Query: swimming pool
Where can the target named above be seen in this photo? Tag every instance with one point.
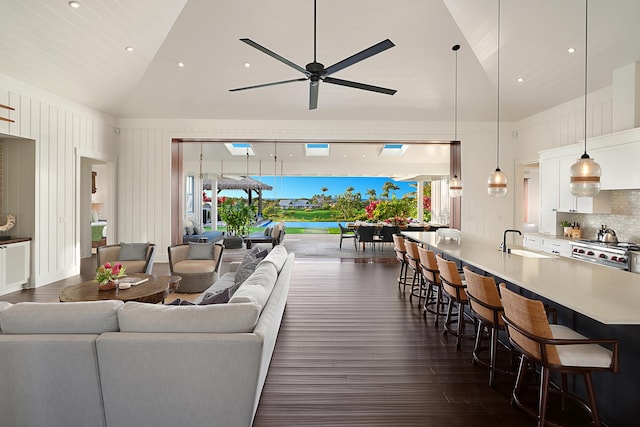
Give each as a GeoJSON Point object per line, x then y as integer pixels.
{"type": "Point", "coordinates": [306, 224]}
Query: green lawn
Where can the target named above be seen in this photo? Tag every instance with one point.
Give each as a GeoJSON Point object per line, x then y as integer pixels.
{"type": "Point", "coordinates": [302, 216]}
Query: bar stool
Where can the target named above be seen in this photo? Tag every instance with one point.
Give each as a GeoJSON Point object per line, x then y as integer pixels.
{"type": "Point", "coordinates": [554, 348]}
{"type": "Point", "coordinates": [455, 288]}
{"type": "Point", "coordinates": [434, 302]}
{"type": "Point", "coordinates": [401, 255]}
{"type": "Point", "coordinates": [487, 308]}
{"type": "Point", "coordinates": [413, 262]}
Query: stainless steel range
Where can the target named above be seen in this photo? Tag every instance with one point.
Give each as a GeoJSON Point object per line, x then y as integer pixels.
{"type": "Point", "coordinates": [612, 255]}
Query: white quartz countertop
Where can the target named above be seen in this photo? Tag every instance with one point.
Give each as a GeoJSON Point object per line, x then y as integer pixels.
{"type": "Point", "coordinates": [605, 294]}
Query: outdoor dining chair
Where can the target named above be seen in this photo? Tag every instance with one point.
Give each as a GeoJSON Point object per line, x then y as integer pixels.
{"type": "Point", "coordinates": [346, 233]}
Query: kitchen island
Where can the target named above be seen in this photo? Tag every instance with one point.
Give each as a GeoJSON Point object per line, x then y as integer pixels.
{"type": "Point", "coordinates": [597, 301]}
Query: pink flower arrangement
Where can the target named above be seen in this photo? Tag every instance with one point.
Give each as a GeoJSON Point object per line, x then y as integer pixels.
{"type": "Point", "coordinates": [371, 207]}
{"type": "Point", "coordinates": [109, 272]}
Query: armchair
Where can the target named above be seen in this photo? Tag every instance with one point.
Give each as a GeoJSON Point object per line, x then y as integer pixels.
{"type": "Point", "coordinates": [196, 263]}
{"type": "Point", "coordinates": [136, 257]}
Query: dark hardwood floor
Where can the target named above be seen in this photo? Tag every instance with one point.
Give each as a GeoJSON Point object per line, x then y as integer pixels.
{"type": "Point", "coordinates": [353, 351]}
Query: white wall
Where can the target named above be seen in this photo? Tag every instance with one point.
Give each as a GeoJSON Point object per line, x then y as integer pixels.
{"type": "Point", "coordinates": [62, 132]}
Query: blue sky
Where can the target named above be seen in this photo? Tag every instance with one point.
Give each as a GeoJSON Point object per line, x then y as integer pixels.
{"type": "Point", "coordinates": [304, 187]}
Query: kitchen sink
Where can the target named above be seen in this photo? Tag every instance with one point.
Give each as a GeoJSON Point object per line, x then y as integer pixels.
{"type": "Point", "coordinates": [529, 254]}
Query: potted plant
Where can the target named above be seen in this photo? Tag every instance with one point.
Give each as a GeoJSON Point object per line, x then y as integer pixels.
{"type": "Point", "coordinates": [237, 215]}
{"type": "Point", "coordinates": [566, 227]}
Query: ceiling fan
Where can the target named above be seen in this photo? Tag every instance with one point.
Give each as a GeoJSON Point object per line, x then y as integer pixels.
{"type": "Point", "coordinates": [316, 72]}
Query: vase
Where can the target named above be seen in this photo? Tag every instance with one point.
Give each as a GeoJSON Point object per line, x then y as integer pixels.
{"type": "Point", "coordinates": [108, 285]}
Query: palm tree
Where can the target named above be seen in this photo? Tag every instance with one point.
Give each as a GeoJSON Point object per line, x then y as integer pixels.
{"type": "Point", "coordinates": [386, 187]}
{"type": "Point", "coordinates": [371, 193]}
{"type": "Point", "coordinates": [324, 198]}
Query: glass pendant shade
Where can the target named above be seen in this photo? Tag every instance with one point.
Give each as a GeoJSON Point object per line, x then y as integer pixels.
{"type": "Point", "coordinates": [455, 187]}
{"type": "Point", "coordinates": [585, 177]}
{"type": "Point", "coordinates": [497, 184]}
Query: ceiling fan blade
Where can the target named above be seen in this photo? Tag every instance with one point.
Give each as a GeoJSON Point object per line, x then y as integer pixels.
{"type": "Point", "coordinates": [359, 85]}
{"type": "Point", "coordinates": [301, 79]}
{"type": "Point", "coordinates": [360, 56]}
{"type": "Point", "coordinates": [275, 55]}
{"type": "Point", "coordinates": [313, 94]}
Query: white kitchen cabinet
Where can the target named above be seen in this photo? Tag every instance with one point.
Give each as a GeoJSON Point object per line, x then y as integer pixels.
{"type": "Point", "coordinates": [619, 167]}
{"type": "Point", "coordinates": [567, 202]}
{"type": "Point", "coordinates": [549, 245]}
{"type": "Point", "coordinates": [548, 195]}
{"type": "Point", "coordinates": [14, 266]}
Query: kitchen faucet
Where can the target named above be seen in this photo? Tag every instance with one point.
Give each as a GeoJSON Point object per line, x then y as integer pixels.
{"type": "Point", "coordinates": [504, 239]}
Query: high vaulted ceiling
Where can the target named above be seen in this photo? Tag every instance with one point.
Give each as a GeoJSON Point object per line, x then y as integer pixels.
{"type": "Point", "coordinates": [80, 54]}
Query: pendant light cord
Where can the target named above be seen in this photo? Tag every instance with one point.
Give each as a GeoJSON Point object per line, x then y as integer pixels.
{"type": "Point", "coordinates": [498, 84]}
{"type": "Point", "coordinates": [315, 43]}
{"type": "Point", "coordinates": [586, 38]}
{"type": "Point", "coordinates": [455, 114]}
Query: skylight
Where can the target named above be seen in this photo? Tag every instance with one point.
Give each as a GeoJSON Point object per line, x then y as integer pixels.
{"type": "Point", "coordinates": [393, 150]}
{"type": "Point", "coordinates": [316, 149]}
{"type": "Point", "coordinates": [240, 148]}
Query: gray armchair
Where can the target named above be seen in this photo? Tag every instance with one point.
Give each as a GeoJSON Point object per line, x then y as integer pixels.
{"type": "Point", "coordinates": [136, 257]}
{"type": "Point", "coordinates": [197, 272]}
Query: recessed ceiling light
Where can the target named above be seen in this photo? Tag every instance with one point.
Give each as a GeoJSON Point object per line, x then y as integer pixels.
{"type": "Point", "coordinates": [128, 49]}
{"type": "Point", "coordinates": [571, 50]}
{"type": "Point", "coordinates": [520, 79]}
{"type": "Point", "coordinates": [247, 65]}
{"type": "Point", "coordinates": [74, 4]}
{"type": "Point", "coordinates": [180, 64]}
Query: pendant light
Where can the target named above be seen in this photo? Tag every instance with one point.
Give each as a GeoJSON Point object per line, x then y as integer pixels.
{"type": "Point", "coordinates": [585, 173]}
{"type": "Point", "coordinates": [497, 184]}
{"type": "Point", "coordinates": [455, 184]}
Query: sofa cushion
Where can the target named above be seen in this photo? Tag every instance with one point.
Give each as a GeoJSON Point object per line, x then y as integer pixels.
{"type": "Point", "coordinates": [91, 317]}
{"type": "Point", "coordinates": [133, 251]}
{"type": "Point", "coordinates": [194, 266]}
{"type": "Point", "coordinates": [3, 306]}
{"type": "Point", "coordinates": [257, 288]}
{"type": "Point", "coordinates": [200, 251]}
{"type": "Point", "coordinates": [216, 318]}
{"type": "Point", "coordinates": [277, 257]}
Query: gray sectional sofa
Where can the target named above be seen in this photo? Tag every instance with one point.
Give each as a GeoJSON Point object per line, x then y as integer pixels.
{"type": "Point", "coordinates": [112, 364]}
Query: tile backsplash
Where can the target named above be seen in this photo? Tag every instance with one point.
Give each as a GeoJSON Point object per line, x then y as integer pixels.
{"type": "Point", "coordinates": [624, 218]}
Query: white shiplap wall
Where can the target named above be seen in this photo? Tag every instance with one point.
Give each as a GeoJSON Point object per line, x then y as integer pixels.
{"type": "Point", "coordinates": [62, 131]}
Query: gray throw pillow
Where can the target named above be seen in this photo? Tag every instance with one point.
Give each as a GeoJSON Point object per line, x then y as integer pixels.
{"type": "Point", "coordinates": [247, 266]}
{"type": "Point", "coordinates": [200, 250]}
{"type": "Point", "coordinates": [267, 231]}
{"type": "Point", "coordinates": [219, 298]}
{"type": "Point", "coordinates": [133, 251]}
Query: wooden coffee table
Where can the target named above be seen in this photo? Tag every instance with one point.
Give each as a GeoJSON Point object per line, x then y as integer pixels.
{"type": "Point", "coordinates": [152, 291]}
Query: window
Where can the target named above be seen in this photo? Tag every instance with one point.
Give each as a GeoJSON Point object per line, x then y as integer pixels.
{"type": "Point", "coordinates": [190, 194]}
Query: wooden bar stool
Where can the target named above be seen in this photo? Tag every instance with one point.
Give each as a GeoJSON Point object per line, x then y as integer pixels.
{"type": "Point", "coordinates": [487, 307]}
{"type": "Point", "coordinates": [434, 301]}
{"type": "Point", "coordinates": [401, 255]}
{"type": "Point", "coordinates": [555, 348]}
{"type": "Point", "coordinates": [413, 262]}
{"type": "Point", "coordinates": [455, 288]}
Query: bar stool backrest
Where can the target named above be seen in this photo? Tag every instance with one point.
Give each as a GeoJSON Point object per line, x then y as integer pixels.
{"type": "Point", "coordinates": [451, 280]}
{"type": "Point", "coordinates": [399, 248]}
{"type": "Point", "coordinates": [429, 265]}
{"type": "Point", "coordinates": [483, 293]}
{"type": "Point", "coordinates": [413, 258]}
{"type": "Point", "coordinates": [530, 316]}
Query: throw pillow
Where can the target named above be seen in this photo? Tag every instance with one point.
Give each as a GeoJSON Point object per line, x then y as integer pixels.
{"type": "Point", "coordinates": [200, 250]}
{"type": "Point", "coordinates": [247, 266]}
{"type": "Point", "coordinates": [267, 231]}
{"type": "Point", "coordinates": [133, 251]}
{"type": "Point", "coordinates": [179, 301]}
{"type": "Point", "coordinates": [196, 229]}
{"type": "Point", "coordinates": [219, 298]}
{"type": "Point", "coordinates": [188, 230]}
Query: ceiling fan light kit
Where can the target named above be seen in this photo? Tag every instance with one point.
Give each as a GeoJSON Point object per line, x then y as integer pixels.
{"type": "Point", "coordinates": [497, 183]}
{"type": "Point", "coordinates": [585, 173]}
{"type": "Point", "coordinates": [315, 72]}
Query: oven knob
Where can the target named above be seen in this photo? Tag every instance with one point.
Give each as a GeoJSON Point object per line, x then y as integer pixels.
{"type": "Point", "coordinates": [621, 259]}
{"type": "Point", "coordinates": [590, 253]}
{"type": "Point", "coordinates": [614, 258]}
{"type": "Point", "coordinates": [580, 251]}
{"type": "Point", "coordinates": [575, 250]}
{"type": "Point", "coordinates": [603, 256]}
